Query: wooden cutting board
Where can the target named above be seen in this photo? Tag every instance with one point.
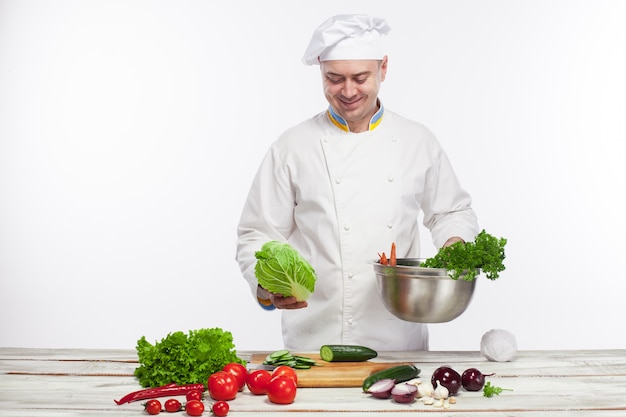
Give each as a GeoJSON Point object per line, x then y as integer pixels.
{"type": "Point", "coordinates": [334, 374]}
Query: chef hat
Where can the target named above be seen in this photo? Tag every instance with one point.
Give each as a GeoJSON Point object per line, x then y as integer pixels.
{"type": "Point", "coordinates": [347, 36]}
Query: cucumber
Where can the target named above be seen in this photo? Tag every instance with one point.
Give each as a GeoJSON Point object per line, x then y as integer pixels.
{"type": "Point", "coordinates": [346, 353]}
{"type": "Point", "coordinates": [399, 373]}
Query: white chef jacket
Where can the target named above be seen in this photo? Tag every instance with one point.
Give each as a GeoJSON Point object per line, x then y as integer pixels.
{"type": "Point", "coordinates": [340, 199]}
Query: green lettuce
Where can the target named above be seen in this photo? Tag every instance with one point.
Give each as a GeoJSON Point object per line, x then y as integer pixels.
{"type": "Point", "coordinates": [282, 270]}
{"type": "Point", "coordinates": [184, 358]}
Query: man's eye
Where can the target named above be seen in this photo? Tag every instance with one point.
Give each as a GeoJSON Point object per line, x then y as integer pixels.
{"type": "Point", "coordinates": [335, 80]}
{"type": "Point", "coordinates": [361, 80]}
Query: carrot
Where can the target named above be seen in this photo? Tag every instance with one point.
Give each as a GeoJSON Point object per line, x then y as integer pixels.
{"type": "Point", "coordinates": [383, 259]}
{"type": "Point", "coordinates": [392, 257]}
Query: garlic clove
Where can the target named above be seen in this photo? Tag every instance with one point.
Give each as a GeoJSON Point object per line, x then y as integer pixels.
{"type": "Point", "coordinates": [427, 400]}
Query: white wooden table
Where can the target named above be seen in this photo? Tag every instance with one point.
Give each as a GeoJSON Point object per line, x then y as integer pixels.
{"type": "Point", "coordinates": [77, 382]}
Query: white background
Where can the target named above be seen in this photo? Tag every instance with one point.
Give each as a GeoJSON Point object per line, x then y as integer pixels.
{"type": "Point", "coordinates": [130, 132]}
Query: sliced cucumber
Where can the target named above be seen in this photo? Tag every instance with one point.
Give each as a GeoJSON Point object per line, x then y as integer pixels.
{"type": "Point", "coordinates": [278, 354]}
{"type": "Point", "coordinates": [284, 357]}
{"type": "Point", "coordinates": [303, 360]}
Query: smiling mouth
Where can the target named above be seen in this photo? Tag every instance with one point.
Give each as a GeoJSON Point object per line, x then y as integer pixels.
{"type": "Point", "coordinates": [349, 103]}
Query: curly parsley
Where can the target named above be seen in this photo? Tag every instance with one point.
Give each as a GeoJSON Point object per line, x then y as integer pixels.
{"type": "Point", "coordinates": [184, 358]}
{"type": "Point", "coordinates": [485, 253]}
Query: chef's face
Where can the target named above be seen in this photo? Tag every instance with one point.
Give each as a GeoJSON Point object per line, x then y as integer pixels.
{"type": "Point", "coordinates": [351, 87]}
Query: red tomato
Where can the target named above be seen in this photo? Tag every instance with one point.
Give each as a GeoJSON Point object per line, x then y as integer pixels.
{"type": "Point", "coordinates": [172, 405]}
{"type": "Point", "coordinates": [258, 380]}
{"type": "Point", "coordinates": [281, 390]}
{"type": "Point", "coordinates": [194, 408]}
{"type": "Point", "coordinates": [223, 386]}
{"type": "Point", "coordinates": [285, 370]}
{"type": "Point", "coordinates": [194, 395]}
{"type": "Point", "coordinates": [220, 408]}
{"type": "Point", "coordinates": [153, 407]}
{"type": "Point", "coordinates": [239, 371]}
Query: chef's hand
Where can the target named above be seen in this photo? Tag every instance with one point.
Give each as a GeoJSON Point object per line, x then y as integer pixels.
{"type": "Point", "coordinates": [280, 302]}
{"type": "Point", "coordinates": [452, 240]}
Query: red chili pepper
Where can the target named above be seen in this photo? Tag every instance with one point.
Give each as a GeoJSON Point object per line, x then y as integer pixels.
{"type": "Point", "coordinates": [164, 391]}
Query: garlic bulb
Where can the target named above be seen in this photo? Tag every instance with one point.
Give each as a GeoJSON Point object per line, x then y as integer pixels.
{"type": "Point", "coordinates": [425, 389]}
{"type": "Point", "coordinates": [441, 392]}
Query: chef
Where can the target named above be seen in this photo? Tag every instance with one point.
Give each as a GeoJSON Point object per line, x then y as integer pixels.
{"type": "Point", "coordinates": [341, 187]}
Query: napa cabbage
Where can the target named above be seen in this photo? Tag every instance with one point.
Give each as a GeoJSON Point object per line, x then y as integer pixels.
{"type": "Point", "coordinates": [282, 270]}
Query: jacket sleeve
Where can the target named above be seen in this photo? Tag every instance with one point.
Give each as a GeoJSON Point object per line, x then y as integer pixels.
{"type": "Point", "coordinates": [267, 214]}
{"type": "Point", "coordinates": [447, 207]}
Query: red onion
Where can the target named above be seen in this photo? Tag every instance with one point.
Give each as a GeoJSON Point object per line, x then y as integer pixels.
{"type": "Point", "coordinates": [382, 388]}
{"type": "Point", "coordinates": [404, 393]}
{"type": "Point", "coordinates": [473, 380]}
{"type": "Point", "coordinates": [447, 377]}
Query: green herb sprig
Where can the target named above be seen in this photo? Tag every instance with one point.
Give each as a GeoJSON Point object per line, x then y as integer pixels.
{"type": "Point", "coordinates": [491, 390]}
{"type": "Point", "coordinates": [486, 253]}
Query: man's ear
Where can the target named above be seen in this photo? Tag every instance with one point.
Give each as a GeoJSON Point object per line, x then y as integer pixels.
{"type": "Point", "coordinates": [383, 68]}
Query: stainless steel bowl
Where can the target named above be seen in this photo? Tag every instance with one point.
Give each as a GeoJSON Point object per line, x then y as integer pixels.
{"type": "Point", "coordinates": [422, 295]}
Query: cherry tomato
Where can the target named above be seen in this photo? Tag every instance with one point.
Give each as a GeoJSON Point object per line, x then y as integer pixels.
{"type": "Point", "coordinates": [172, 405]}
{"type": "Point", "coordinates": [284, 370]}
{"type": "Point", "coordinates": [194, 408]}
{"type": "Point", "coordinates": [239, 371]}
{"type": "Point", "coordinates": [281, 390]}
{"type": "Point", "coordinates": [153, 407]}
{"type": "Point", "coordinates": [194, 395]}
{"type": "Point", "coordinates": [223, 386]}
{"type": "Point", "coordinates": [220, 408]}
{"type": "Point", "coordinates": [258, 380]}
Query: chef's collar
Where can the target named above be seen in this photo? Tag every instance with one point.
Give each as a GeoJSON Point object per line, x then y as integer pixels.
{"type": "Point", "coordinates": [341, 123]}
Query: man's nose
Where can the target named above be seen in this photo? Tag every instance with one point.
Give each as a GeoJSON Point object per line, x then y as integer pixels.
{"type": "Point", "coordinates": [349, 89]}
